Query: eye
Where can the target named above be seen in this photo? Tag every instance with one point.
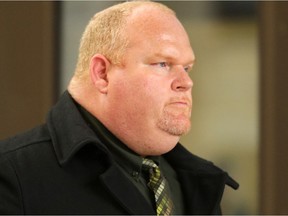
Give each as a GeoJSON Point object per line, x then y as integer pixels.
{"type": "Point", "coordinates": [188, 68]}
{"type": "Point", "coordinates": [163, 64]}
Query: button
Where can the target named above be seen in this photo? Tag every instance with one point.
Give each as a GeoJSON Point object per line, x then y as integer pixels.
{"type": "Point", "coordinates": [135, 173]}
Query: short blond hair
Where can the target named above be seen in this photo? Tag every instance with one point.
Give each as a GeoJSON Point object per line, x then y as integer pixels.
{"type": "Point", "coordinates": [104, 34]}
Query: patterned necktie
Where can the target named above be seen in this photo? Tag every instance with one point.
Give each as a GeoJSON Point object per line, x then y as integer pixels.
{"type": "Point", "coordinates": [158, 184]}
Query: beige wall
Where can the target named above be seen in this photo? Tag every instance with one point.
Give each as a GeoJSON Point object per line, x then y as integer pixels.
{"type": "Point", "coordinates": [225, 111]}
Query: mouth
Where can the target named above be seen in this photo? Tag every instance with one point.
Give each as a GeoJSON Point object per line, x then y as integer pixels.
{"type": "Point", "coordinates": [181, 102]}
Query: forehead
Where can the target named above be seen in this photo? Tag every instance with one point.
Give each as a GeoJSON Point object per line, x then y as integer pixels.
{"type": "Point", "coordinates": [150, 19]}
{"type": "Point", "coordinates": [158, 32]}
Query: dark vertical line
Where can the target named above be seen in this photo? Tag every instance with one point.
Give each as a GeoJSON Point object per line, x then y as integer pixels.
{"type": "Point", "coordinates": [57, 15]}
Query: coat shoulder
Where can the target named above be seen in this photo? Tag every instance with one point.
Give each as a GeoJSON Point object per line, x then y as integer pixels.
{"type": "Point", "coordinates": [23, 140]}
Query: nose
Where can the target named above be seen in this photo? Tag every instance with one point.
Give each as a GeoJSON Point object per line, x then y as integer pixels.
{"type": "Point", "coordinates": [182, 81]}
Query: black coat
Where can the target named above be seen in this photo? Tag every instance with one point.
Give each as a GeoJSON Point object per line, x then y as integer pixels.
{"type": "Point", "coordinates": [61, 167]}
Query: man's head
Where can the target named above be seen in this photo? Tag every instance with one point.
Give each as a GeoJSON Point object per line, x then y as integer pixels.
{"type": "Point", "coordinates": [105, 34]}
{"type": "Point", "coordinates": [138, 88]}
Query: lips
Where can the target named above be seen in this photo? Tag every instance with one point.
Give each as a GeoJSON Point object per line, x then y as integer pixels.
{"type": "Point", "coordinates": [181, 102]}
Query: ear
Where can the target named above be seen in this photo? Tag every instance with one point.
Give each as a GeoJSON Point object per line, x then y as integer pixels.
{"type": "Point", "coordinates": [99, 65]}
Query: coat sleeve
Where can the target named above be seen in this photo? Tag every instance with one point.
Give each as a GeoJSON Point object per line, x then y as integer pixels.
{"type": "Point", "coordinates": [10, 190]}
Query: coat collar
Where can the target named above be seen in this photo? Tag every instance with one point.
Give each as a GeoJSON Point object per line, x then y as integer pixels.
{"type": "Point", "coordinates": [186, 161]}
{"type": "Point", "coordinates": [204, 182]}
{"type": "Point", "coordinates": [68, 130]}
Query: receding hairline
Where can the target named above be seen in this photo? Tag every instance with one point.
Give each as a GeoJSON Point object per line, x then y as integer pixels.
{"type": "Point", "coordinates": [115, 49]}
{"type": "Point", "coordinates": [138, 12]}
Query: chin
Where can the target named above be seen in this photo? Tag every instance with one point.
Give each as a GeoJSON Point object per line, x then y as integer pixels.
{"type": "Point", "coordinates": [175, 125]}
{"type": "Point", "coordinates": [175, 128]}
{"type": "Point", "coordinates": [178, 131]}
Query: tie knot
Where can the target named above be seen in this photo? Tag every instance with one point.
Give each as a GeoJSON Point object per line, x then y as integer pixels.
{"type": "Point", "coordinates": [148, 164]}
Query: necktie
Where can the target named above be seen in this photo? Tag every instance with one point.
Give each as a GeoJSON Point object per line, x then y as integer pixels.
{"type": "Point", "coordinates": [158, 184]}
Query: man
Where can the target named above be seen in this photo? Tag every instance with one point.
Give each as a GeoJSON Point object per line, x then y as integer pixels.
{"type": "Point", "coordinates": [112, 138]}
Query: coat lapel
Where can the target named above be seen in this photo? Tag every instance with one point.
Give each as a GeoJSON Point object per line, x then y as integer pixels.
{"type": "Point", "coordinates": [202, 182]}
{"type": "Point", "coordinates": [125, 192]}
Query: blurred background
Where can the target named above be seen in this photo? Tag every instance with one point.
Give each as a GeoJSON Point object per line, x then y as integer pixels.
{"type": "Point", "coordinates": [239, 118]}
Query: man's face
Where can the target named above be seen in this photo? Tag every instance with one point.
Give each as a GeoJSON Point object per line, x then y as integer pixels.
{"type": "Point", "coordinates": [151, 93]}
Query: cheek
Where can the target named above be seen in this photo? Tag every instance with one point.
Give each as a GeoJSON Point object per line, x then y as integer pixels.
{"type": "Point", "coordinates": [148, 92]}
{"type": "Point", "coordinates": [139, 96]}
